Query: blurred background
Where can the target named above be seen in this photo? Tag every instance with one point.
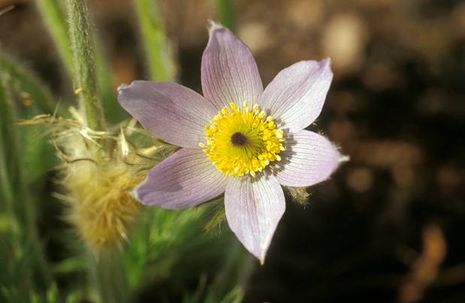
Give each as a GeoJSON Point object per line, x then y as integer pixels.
{"type": "Point", "coordinates": [390, 224]}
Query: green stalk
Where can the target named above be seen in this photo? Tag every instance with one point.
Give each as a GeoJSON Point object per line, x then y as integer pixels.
{"type": "Point", "coordinates": [82, 48]}
{"type": "Point", "coordinates": [28, 82]}
{"type": "Point", "coordinates": [226, 14]}
{"type": "Point", "coordinates": [106, 268]}
{"type": "Point", "coordinates": [109, 276]}
{"type": "Point", "coordinates": [154, 40]}
{"type": "Point", "coordinates": [54, 17]}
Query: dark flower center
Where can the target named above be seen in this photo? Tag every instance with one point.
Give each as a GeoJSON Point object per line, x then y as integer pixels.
{"type": "Point", "coordinates": [238, 139]}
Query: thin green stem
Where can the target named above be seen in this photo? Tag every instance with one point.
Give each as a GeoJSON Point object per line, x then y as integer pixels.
{"type": "Point", "coordinates": [109, 276]}
{"type": "Point", "coordinates": [54, 17]}
{"type": "Point", "coordinates": [83, 51]}
{"type": "Point", "coordinates": [153, 36]}
{"type": "Point", "coordinates": [226, 13]}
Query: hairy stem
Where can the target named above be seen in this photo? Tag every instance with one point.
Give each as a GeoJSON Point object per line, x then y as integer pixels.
{"type": "Point", "coordinates": [54, 16]}
{"type": "Point", "coordinates": [83, 51]}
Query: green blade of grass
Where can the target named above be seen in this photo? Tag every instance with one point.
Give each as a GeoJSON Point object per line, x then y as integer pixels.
{"type": "Point", "coordinates": [226, 14]}
{"type": "Point", "coordinates": [54, 18]}
{"type": "Point", "coordinates": [154, 40]}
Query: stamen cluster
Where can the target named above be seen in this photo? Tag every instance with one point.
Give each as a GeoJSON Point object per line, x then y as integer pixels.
{"type": "Point", "coordinates": [242, 140]}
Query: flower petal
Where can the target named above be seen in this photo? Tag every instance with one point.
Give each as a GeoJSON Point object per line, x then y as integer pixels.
{"type": "Point", "coordinates": [229, 72]}
{"type": "Point", "coordinates": [310, 160]}
{"type": "Point", "coordinates": [297, 94]}
{"type": "Point", "coordinates": [185, 179]}
{"type": "Point", "coordinates": [170, 111]}
{"type": "Point", "coordinates": [253, 210]}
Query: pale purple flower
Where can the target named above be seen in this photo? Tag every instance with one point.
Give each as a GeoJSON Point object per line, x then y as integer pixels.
{"type": "Point", "coordinates": [238, 139]}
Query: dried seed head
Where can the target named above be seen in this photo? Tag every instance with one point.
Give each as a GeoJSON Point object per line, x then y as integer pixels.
{"type": "Point", "coordinates": [97, 182]}
{"type": "Point", "coordinates": [100, 207]}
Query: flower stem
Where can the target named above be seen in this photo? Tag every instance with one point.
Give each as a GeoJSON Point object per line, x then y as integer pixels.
{"type": "Point", "coordinates": [83, 51]}
{"type": "Point", "coordinates": [109, 276]}
{"type": "Point", "coordinates": [225, 10]}
{"type": "Point", "coordinates": [54, 16]}
{"type": "Point", "coordinates": [152, 30]}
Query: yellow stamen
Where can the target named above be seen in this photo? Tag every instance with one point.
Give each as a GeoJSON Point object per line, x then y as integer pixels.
{"type": "Point", "coordinates": [243, 140]}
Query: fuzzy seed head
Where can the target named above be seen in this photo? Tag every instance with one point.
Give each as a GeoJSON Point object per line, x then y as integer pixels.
{"type": "Point", "coordinates": [100, 207]}
{"type": "Point", "coordinates": [97, 180]}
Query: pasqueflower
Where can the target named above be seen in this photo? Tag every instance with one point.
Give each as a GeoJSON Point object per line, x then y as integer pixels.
{"type": "Point", "coordinates": [237, 138]}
